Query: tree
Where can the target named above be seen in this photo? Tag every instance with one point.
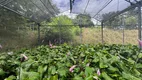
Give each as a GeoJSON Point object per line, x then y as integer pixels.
{"type": "Point", "coordinates": [128, 17]}
{"type": "Point", "coordinates": [83, 19]}
{"type": "Point", "coordinates": [130, 22]}
{"type": "Point", "coordinates": [10, 22]}
{"type": "Point", "coordinates": [14, 32]}
{"type": "Point", "coordinates": [58, 31]}
{"type": "Point", "coordinates": [111, 22]}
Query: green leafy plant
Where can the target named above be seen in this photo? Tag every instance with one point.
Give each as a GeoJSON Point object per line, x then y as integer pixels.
{"type": "Point", "coordinates": [65, 62]}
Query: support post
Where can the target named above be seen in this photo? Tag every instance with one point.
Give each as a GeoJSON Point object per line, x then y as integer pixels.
{"type": "Point", "coordinates": [123, 27]}
{"type": "Point", "coordinates": [60, 33]}
{"type": "Point", "coordinates": [102, 32]}
{"type": "Point", "coordinates": [81, 35]}
{"type": "Point", "coordinates": [38, 34]}
{"type": "Point", "coordinates": [60, 38]}
{"type": "Point", "coordinates": [139, 21]}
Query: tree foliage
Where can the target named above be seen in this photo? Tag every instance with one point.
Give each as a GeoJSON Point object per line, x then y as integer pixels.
{"type": "Point", "coordinates": [83, 19]}
{"type": "Point", "coordinates": [131, 22]}
{"type": "Point", "coordinates": [128, 19]}
{"type": "Point", "coordinates": [14, 31]}
{"type": "Point", "coordinates": [10, 22]}
{"type": "Point", "coordinates": [59, 31]}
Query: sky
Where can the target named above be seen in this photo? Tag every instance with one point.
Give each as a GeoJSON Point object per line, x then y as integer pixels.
{"type": "Point", "coordinates": [94, 6]}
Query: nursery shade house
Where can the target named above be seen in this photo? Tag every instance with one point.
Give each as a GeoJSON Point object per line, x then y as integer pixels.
{"type": "Point", "coordinates": [70, 39]}
{"type": "Point", "coordinates": [40, 10]}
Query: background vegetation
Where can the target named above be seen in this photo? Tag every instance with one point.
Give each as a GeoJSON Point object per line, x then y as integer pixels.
{"type": "Point", "coordinates": [127, 20]}
{"type": "Point", "coordinates": [17, 31]}
{"type": "Point", "coordinates": [61, 29]}
{"type": "Point", "coordinates": [83, 20]}
{"type": "Point", "coordinates": [14, 31]}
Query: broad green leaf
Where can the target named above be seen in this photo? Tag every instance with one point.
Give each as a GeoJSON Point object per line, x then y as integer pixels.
{"type": "Point", "coordinates": [114, 75]}
{"type": "Point", "coordinates": [121, 78]}
{"type": "Point", "coordinates": [131, 61]}
{"type": "Point", "coordinates": [105, 76]}
{"type": "Point", "coordinates": [11, 78]}
{"type": "Point", "coordinates": [30, 76]}
{"type": "Point", "coordinates": [136, 72]}
{"type": "Point", "coordinates": [89, 78]}
{"type": "Point", "coordinates": [102, 65]}
{"type": "Point", "coordinates": [41, 71]}
{"type": "Point", "coordinates": [114, 59]}
{"type": "Point", "coordinates": [122, 66]}
{"type": "Point", "coordinates": [68, 64]}
{"type": "Point", "coordinates": [2, 73]}
{"type": "Point", "coordinates": [2, 57]}
{"type": "Point", "coordinates": [113, 69]}
{"type": "Point", "coordinates": [73, 60]}
{"type": "Point", "coordinates": [82, 55]}
{"type": "Point", "coordinates": [129, 76]}
{"type": "Point", "coordinates": [88, 71]}
{"type": "Point", "coordinates": [45, 68]}
{"type": "Point", "coordinates": [52, 70]}
{"type": "Point", "coordinates": [78, 78]}
{"type": "Point", "coordinates": [62, 72]}
{"type": "Point", "coordinates": [140, 55]}
{"type": "Point", "coordinates": [46, 78]}
{"type": "Point", "coordinates": [55, 77]}
{"type": "Point", "coordinates": [138, 65]}
{"type": "Point", "coordinates": [96, 59]}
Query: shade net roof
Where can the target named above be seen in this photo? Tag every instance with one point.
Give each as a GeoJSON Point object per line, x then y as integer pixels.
{"type": "Point", "coordinates": [40, 10]}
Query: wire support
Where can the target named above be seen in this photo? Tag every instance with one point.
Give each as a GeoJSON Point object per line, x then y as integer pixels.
{"type": "Point", "coordinates": [37, 7]}
{"type": "Point", "coordinates": [46, 7]}
{"type": "Point", "coordinates": [86, 6]}
{"type": "Point", "coordinates": [17, 13]}
{"type": "Point", "coordinates": [102, 8]}
{"type": "Point", "coordinates": [7, 2]}
{"type": "Point", "coordinates": [52, 6]}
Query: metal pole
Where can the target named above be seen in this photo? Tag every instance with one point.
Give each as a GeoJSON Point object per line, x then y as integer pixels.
{"type": "Point", "coordinates": [123, 27]}
{"type": "Point", "coordinates": [102, 32]}
{"type": "Point", "coordinates": [139, 22]}
{"type": "Point", "coordinates": [81, 35]}
{"type": "Point", "coordinates": [59, 28]}
{"type": "Point", "coordinates": [80, 26]}
{"type": "Point", "coordinates": [38, 34]}
{"type": "Point", "coordinates": [60, 39]}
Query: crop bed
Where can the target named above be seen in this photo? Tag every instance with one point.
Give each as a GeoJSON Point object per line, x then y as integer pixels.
{"type": "Point", "coordinates": [65, 62]}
